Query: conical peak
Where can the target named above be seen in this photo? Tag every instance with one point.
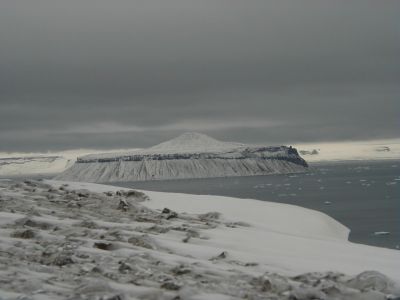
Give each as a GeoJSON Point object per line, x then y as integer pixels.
{"type": "Point", "coordinates": [191, 142]}
{"type": "Point", "coordinates": [193, 136]}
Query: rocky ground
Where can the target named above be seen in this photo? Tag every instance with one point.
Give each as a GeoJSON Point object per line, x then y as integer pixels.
{"type": "Point", "coordinates": [63, 243]}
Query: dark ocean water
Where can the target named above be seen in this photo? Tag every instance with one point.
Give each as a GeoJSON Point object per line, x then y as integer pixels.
{"type": "Point", "coordinates": [364, 196]}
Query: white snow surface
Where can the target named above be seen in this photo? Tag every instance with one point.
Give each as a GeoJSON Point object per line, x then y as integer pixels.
{"type": "Point", "coordinates": [193, 142]}
{"type": "Point", "coordinates": [282, 237]}
{"type": "Point", "coordinates": [355, 150]}
{"type": "Point", "coordinates": [26, 165]}
{"type": "Point", "coordinates": [70, 240]}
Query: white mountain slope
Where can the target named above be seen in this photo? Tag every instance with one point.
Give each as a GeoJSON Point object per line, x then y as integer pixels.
{"type": "Point", "coordinates": [191, 155]}
{"type": "Point", "coordinates": [193, 142]}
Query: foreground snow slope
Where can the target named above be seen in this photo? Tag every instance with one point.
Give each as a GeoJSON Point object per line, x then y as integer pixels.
{"type": "Point", "coordinates": [191, 155]}
{"type": "Point", "coordinates": [284, 238]}
{"type": "Point", "coordinates": [63, 240]}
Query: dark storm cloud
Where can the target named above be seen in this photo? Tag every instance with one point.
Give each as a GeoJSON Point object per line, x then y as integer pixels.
{"type": "Point", "coordinates": [113, 74]}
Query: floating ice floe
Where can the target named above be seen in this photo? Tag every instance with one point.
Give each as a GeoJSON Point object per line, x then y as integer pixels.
{"type": "Point", "coordinates": [391, 183]}
{"type": "Point", "coordinates": [381, 233]}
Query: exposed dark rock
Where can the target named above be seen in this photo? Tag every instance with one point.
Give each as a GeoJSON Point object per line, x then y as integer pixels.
{"type": "Point", "coordinates": [181, 270]}
{"type": "Point", "coordinates": [103, 246]}
{"type": "Point", "coordinates": [166, 210]}
{"type": "Point", "coordinates": [169, 214]}
{"type": "Point", "coordinates": [124, 267]}
{"type": "Point", "coordinates": [25, 234]}
{"type": "Point", "coordinates": [123, 205]}
{"type": "Point", "coordinates": [222, 255]}
{"type": "Point", "coordinates": [170, 285]}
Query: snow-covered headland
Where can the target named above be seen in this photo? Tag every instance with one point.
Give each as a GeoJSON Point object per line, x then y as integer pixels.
{"type": "Point", "coordinates": [32, 165]}
{"type": "Point", "coordinates": [191, 155]}
{"type": "Point", "coordinates": [70, 240]}
{"type": "Point", "coordinates": [18, 164]}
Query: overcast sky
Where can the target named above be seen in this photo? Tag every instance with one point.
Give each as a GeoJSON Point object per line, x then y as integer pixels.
{"type": "Point", "coordinates": [114, 74]}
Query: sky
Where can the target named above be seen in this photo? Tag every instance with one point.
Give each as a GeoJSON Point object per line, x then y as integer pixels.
{"type": "Point", "coordinates": [124, 74]}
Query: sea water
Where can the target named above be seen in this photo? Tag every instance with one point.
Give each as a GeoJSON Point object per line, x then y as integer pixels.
{"type": "Point", "coordinates": [364, 196]}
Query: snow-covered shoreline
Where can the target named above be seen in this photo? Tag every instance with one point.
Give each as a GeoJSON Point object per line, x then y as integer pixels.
{"type": "Point", "coordinates": [70, 240]}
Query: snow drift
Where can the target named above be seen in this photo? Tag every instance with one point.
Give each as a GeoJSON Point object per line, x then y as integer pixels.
{"type": "Point", "coordinates": [191, 155]}
{"type": "Point", "coordinates": [75, 240]}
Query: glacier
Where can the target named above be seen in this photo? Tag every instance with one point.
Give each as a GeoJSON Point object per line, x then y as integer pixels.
{"type": "Point", "coordinates": [190, 155]}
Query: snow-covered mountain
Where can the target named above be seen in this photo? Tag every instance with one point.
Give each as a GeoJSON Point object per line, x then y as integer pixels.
{"type": "Point", "coordinates": [190, 155]}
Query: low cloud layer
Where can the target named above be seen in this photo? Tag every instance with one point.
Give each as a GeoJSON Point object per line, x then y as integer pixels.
{"type": "Point", "coordinates": [101, 74]}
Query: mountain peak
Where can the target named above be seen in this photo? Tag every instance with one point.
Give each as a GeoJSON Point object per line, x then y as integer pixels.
{"type": "Point", "coordinates": [192, 142]}
{"type": "Point", "coordinates": [192, 136]}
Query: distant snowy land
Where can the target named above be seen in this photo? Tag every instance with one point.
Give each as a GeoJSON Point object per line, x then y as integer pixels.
{"type": "Point", "coordinates": [190, 155]}
{"type": "Point", "coordinates": [33, 165]}
{"type": "Point", "coordinates": [70, 240]}
{"type": "Point", "coordinates": [355, 150]}
{"type": "Point", "coordinates": [26, 164]}
{"type": "Point", "coordinates": [19, 164]}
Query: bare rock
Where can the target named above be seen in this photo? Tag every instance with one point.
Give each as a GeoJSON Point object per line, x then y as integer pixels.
{"type": "Point", "coordinates": [123, 205]}
{"type": "Point", "coordinates": [24, 234]}
{"type": "Point", "coordinates": [181, 270]}
{"type": "Point", "coordinates": [104, 246]}
{"type": "Point", "coordinates": [170, 285]}
{"type": "Point", "coordinates": [169, 214]}
{"type": "Point", "coordinates": [222, 255]}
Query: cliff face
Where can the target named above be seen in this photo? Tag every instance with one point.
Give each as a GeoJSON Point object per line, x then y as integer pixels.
{"type": "Point", "coordinates": [190, 155]}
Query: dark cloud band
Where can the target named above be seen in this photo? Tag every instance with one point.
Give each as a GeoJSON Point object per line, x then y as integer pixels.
{"type": "Point", "coordinates": [118, 74]}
